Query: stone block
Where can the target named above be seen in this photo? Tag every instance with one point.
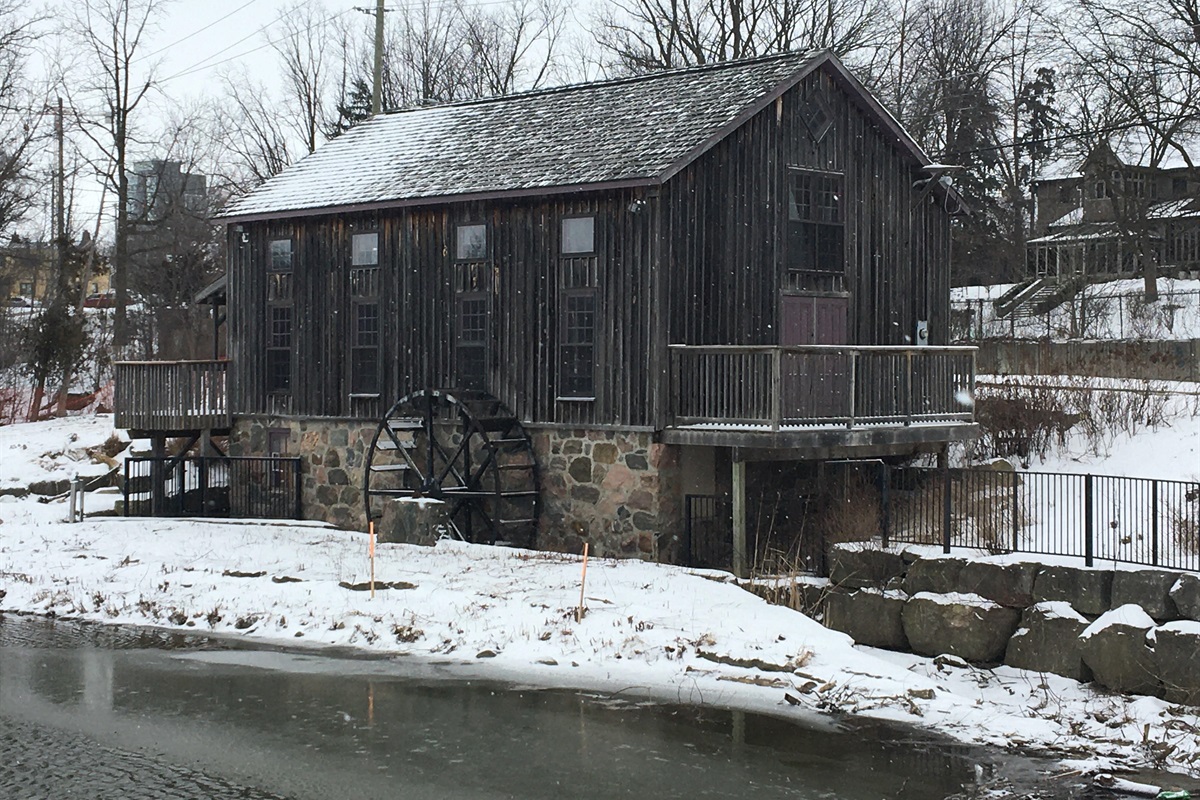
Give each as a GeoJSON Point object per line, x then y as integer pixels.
{"type": "Point", "coordinates": [1148, 588]}
{"type": "Point", "coordinates": [409, 520]}
{"type": "Point", "coordinates": [869, 617]}
{"type": "Point", "coordinates": [1115, 649]}
{"type": "Point", "coordinates": [963, 625]}
{"type": "Point", "coordinates": [1007, 584]}
{"type": "Point", "coordinates": [1089, 591]}
{"type": "Point", "coordinates": [604, 453]}
{"type": "Point", "coordinates": [581, 469]}
{"type": "Point", "coordinates": [1176, 659]}
{"type": "Point", "coordinates": [937, 575]}
{"type": "Point", "coordinates": [1185, 594]}
{"type": "Point", "coordinates": [1048, 641]}
{"type": "Point", "coordinates": [856, 565]}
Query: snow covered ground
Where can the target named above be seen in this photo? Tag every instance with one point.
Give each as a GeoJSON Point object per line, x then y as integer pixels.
{"type": "Point", "coordinates": [648, 630]}
{"type": "Point", "coordinates": [1112, 310]}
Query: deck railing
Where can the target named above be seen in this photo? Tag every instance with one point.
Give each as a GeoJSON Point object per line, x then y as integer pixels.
{"type": "Point", "coordinates": [171, 395]}
{"type": "Point", "coordinates": [820, 385]}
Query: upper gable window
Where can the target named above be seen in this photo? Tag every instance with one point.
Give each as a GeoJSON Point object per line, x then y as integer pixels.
{"type": "Point", "coordinates": [470, 242]}
{"type": "Point", "coordinates": [281, 255]}
{"type": "Point", "coordinates": [364, 249]}
{"type": "Point", "coordinates": [578, 236]}
{"type": "Point", "coordinates": [816, 115]}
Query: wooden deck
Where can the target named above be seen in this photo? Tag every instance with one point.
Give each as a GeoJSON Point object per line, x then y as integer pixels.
{"type": "Point", "coordinates": [820, 395]}
{"type": "Point", "coordinates": [171, 398]}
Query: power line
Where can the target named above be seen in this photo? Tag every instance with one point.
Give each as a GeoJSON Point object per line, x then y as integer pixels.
{"type": "Point", "coordinates": [198, 32]}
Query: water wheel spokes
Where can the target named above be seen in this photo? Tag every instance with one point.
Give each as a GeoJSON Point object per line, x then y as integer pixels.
{"type": "Point", "coordinates": [464, 448]}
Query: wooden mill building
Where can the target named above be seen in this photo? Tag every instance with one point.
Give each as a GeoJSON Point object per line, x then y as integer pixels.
{"type": "Point", "coordinates": [595, 303]}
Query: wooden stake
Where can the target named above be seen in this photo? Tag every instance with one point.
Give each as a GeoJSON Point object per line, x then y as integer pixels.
{"type": "Point", "coordinates": [371, 535]}
{"type": "Point", "coordinates": [582, 582]}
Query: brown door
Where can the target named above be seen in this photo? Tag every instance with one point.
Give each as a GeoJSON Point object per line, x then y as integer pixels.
{"type": "Point", "coordinates": [815, 385]}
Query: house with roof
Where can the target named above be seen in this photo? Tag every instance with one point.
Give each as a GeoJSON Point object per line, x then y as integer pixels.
{"type": "Point", "coordinates": [1091, 223]}
{"type": "Point", "coordinates": [585, 314]}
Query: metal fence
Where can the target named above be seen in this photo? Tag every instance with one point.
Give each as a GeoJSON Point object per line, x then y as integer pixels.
{"type": "Point", "coordinates": [1098, 518]}
{"type": "Point", "coordinates": [217, 486]}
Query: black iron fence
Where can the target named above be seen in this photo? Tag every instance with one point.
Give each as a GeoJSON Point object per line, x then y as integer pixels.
{"type": "Point", "coordinates": [216, 486]}
{"type": "Point", "coordinates": [1098, 518]}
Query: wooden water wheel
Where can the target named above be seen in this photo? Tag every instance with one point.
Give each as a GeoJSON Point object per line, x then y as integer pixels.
{"type": "Point", "coordinates": [464, 448]}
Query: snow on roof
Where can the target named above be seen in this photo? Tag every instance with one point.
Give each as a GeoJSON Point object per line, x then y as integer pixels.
{"type": "Point", "coordinates": [619, 130]}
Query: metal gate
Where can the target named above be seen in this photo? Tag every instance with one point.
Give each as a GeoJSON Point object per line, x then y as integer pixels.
{"type": "Point", "coordinates": [708, 531]}
{"type": "Point", "coordinates": [213, 486]}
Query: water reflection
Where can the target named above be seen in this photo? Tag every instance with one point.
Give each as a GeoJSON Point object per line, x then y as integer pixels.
{"type": "Point", "coordinates": [343, 728]}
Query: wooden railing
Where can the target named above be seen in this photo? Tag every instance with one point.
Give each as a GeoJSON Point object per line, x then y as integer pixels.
{"type": "Point", "coordinates": [820, 385]}
{"type": "Point", "coordinates": [171, 395]}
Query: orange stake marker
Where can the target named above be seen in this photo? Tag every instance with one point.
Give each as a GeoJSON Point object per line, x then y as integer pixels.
{"type": "Point", "coordinates": [582, 582]}
{"type": "Point", "coordinates": [371, 536]}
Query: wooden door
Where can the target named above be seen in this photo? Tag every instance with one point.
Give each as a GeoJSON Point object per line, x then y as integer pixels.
{"type": "Point", "coordinates": [815, 385]}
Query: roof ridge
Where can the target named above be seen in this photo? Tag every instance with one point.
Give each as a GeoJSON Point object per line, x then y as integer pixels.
{"type": "Point", "coordinates": [627, 79]}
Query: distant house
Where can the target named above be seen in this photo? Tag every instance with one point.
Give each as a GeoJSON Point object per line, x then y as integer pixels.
{"type": "Point", "coordinates": [1092, 223]}
{"type": "Point", "coordinates": [586, 314]}
{"type": "Point", "coordinates": [27, 270]}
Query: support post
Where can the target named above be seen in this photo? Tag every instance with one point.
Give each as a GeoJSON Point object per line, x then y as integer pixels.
{"type": "Point", "coordinates": [1154, 522]}
{"type": "Point", "coordinates": [739, 518]}
{"type": "Point", "coordinates": [158, 476]}
{"type": "Point", "coordinates": [885, 503]}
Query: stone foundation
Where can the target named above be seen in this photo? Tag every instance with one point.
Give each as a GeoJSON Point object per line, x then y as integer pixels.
{"type": "Point", "coordinates": [332, 454]}
{"type": "Point", "coordinates": [619, 491]}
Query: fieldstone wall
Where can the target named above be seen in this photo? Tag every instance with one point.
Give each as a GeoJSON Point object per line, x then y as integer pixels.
{"type": "Point", "coordinates": [332, 454]}
{"type": "Point", "coordinates": [617, 490]}
{"type": "Point", "coordinates": [1078, 622]}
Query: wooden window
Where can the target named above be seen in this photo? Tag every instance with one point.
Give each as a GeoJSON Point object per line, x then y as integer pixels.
{"type": "Point", "coordinates": [1100, 190]}
{"type": "Point", "coordinates": [815, 230]}
{"type": "Point", "coordinates": [1179, 187]}
{"type": "Point", "coordinates": [578, 236]}
{"type": "Point", "coordinates": [281, 255]}
{"type": "Point", "coordinates": [816, 115]}
{"type": "Point", "coordinates": [472, 340]}
{"type": "Point", "coordinates": [364, 355]}
{"type": "Point", "coordinates": [470, 242]}
{"type": "Point", "coordinates": [364, 249]}
{"type": "Point", "coordinates": [279, 349]}
{"type": "Point", "coordinates": [277, 441]}
{"type": "Point", "coordinates": [577, 345]}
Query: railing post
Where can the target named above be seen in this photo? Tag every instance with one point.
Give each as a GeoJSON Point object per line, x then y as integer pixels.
{"type": "Point", "coordinates": [1089, 532]}
{"type": "Point", "coordinates": [947, 504]}
{"type": "Point", "coordinates": [776, 387]}
{"type": "Point", "coordinates": [908, 388]}
{"type": "Point", "coordinates": [1154, 522]}
{"type": "Point", "coordinates": [853, 387]}
{"type": "Point", "coordinates": [739, 518]}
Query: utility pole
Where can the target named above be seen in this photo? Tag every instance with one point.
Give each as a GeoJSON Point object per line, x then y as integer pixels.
{"type": "Point", "coordinates": [60, 184]}
{"type": "Point", "coordinates": [377, 90]}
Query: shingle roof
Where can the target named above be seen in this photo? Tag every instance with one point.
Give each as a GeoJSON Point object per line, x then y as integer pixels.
{"type": "Point", "coordinates": [613, 131]}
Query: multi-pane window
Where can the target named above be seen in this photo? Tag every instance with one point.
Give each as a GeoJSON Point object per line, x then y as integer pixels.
{"type": "Point", "coordinates": [278, 376]}
{"type": "Point", "coordinates": [578, 235]}
{"type": "Point", "coordinates": [279, 349]}
{"type": "Point", "coordinates": [364, 249]}
{"type": "Point", "coordinates": [815, 227]}
{"type": "Point", "coordinates": [577, 345]}
{"type": "Point", "coordinates": [470, 242]}
{"type": "Point", "coordinates": [364, 367]}
{"type": "Point", "coordinates": [281, 255]}
{"type": "Point", "coordinates": [472, 339]}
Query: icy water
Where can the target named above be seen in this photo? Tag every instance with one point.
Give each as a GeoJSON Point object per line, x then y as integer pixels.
{"type": "Point", "coordinates": [100, 712]}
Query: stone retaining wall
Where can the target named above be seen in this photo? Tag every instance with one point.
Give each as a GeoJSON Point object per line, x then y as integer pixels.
{"type": "Point", "coordinates": [1135, 631]}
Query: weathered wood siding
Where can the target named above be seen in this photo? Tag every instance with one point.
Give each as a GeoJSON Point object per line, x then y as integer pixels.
{"type": "Point", "coordinates": [417, 296]}
{"type": "Point", "coordinates": [726, 224]}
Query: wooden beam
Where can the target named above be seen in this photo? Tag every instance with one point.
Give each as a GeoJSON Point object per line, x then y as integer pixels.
{"type": "Point", "coordinates": [739, 519]}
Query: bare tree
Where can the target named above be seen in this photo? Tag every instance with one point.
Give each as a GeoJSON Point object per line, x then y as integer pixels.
{"type": "Point", "coordinates": [1139, 76]}
{"type": "Point", "coordinates": [642, 35]}
{"type": "Point", "coordinates": [308, 64]}
{"type": "Point", "coordinates": [106, 96]}
{"type": "Point", "coordinates": [18, 120]}
{"type": "Point", "coordinates": [249, 126]}
{"type": "Point", "coordinates": [513, 46]}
